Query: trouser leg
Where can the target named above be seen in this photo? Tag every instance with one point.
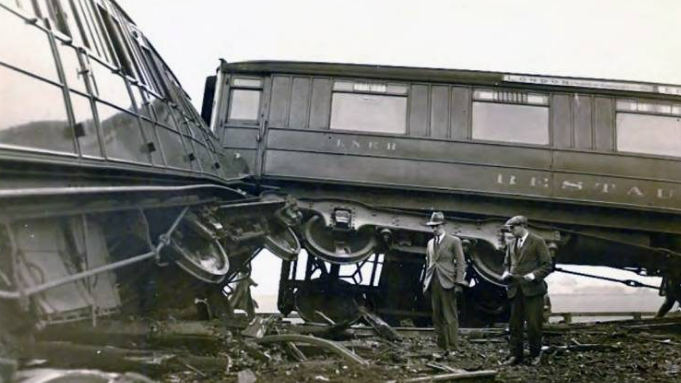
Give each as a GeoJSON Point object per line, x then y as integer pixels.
{"type": "Point", "coordinates": [515, 325]}
{"type": "Point", "coordinates": [666, 306]}
{"type": "Point", "coordinates": [450, 318]}
{"type": "Point", "coordinates": [534, 316]}
{"type": "Point", "coordinates": [435, 293]}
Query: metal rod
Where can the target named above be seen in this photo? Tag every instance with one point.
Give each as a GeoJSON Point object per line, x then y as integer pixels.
{"type": "Point", "coordinates": [628, 282]}
{"type": "Point", "coordinates": [164, 239]}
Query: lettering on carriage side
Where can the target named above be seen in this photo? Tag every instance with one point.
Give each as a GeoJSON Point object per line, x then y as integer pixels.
{"type": "Point", "coordinates": [366, 145]}
{"type": "Point", "coordinates": [540, 182]}
{"type": "Point", "coordinates": [605, 187]}
{"type": "Point", "coordinates": [506, 179]}
{"type": "Point", "coordinates": [604, 190]}
{"type": "Point", "coordinates": [571, 185]}
{"type": "Point", "coordinates": [665, 193]}
{"type": "Point", "coordinates": [635, 191]}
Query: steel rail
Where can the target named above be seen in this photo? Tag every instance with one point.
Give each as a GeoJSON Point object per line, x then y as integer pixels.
{"type": "Point", "coordinates": [164, 240]}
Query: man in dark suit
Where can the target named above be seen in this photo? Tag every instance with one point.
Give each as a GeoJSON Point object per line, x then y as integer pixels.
{"type": "Point", "coordinates": [445, 268]}
{"type": "Point", "coordinates": [526, 264]}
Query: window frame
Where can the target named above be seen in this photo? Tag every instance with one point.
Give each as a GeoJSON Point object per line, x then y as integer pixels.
{"type": "Point", "coordinates": [372, 88]}
{"type": "Point", "coordinates": [233, 86]}
{"type": "Point", "coordinates": [513, 98]}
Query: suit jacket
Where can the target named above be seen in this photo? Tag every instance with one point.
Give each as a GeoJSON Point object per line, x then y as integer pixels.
{"type": "Point", "coordinates": [446, 261]}
{"type": "Point", "coordinates": [532, 257]}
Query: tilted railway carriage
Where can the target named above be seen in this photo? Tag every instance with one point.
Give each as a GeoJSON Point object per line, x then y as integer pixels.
{"type": "Point", "coordinates": [370, 151]}
{"type": "Point", "coordinates": [115, 197]}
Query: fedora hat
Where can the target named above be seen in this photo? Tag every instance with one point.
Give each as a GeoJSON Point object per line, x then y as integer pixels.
{"type": "Point", "coordinates": [518, 220]}
{"type": "Point", "coordinates": [438, 218]}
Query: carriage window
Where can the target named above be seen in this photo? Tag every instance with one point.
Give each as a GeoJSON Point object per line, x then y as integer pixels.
{"type": "Point", "coordinates": [46, 126]}
{"type": "Point", "coordinates": [369, 113]}
{"type": "Point", "coordinates": [510, 117]}
{"type": "Point", "coordinates": [650, 128]}
{"type": "Point", "coordinates": [244, 96]}
{"type": "Point", "coordinates": [28, 48]}
{"type": "Point", "coordinates": [244, 105]}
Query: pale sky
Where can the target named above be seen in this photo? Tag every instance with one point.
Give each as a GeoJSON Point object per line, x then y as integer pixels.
{"type": "Point", "coordinates": [612, 39]}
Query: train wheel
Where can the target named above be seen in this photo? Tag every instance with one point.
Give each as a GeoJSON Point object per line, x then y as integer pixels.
{"type": "Point", "coordinates": [202, 258]}
{"type": "Point", "coordinates": [282, 241]}
{"type": "Point", "coordinates": [338, 247]}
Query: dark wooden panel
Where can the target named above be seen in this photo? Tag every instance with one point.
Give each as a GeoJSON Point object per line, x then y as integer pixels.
{"type": "Point", "coordinates": [300, 103]}
{"type": "Point", "coordinates": [439, 112]}
{"type": "Point", "coordinates": [582, 122]}
{"type": "Point", "coordinates": [460, 113]}
{"type": "Point", "coordinates": [242, 160]}
{"type": "Point", "coordinates": [563, 187]}
{"type": "Point", "coordinates": [604, 124]}
{"type": "Point", "coordinates": [409, 148]}
{"type": "Point", "coordinates": [281, 92]}
{"type": "Point", "coordinates": [418, 111]}
{"type": "Point", "coordinates": [618, 165]}
{"type": "Point", "coordinates": [561, 121]}
{"type": "Point", "coordinates": [244, 138]}
{"type": "Point", "coordinates": [320, 110]}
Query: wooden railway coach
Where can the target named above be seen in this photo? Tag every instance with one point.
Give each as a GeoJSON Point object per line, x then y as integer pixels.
{"type": "Point", "coordinates": [369, 151]}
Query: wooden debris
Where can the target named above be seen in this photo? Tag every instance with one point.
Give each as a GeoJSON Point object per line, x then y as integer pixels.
{"type": "Point", "coordinates": [450, 376]}
{"type": "Point", "coordinates": [382, 329]}
{"type": "Point", "coordinates": [294, 352]}
{"type": "Point", "coordinates": [323, 343]}
{"type": "Point", "coordinates": [257, 328]}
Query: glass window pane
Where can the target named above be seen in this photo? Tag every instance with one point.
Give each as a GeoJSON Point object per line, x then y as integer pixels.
{"type": "Point", "coordinates": [111, 86]}
{"type": "Point", "coordinates": [369, 113]}
{"type": "Point", "coordinates": [245, 105]}
{"type": "Point", "coordinates": [247, 82]}
{"type": "Point", "coordinates": [72, 69]}
{"type": "Point", "coordinates": [26, 46]}
{"type": "Point", "coordinates": [163, 113]}
{"type": "Point", "coordinates": [33, 113]}
{"type": "Point", "coordinates": [82, 111]}
{"type": "Point", "coordinates": [121, 135]}
{"type": "Point", "coordinates": [150, 134]}
{"type": "Point", "coordinates": [511, 123]}
{"type": "Point", "coordinates": [172, 148]}
{"type": "Point", "coordinates": [641, 133]}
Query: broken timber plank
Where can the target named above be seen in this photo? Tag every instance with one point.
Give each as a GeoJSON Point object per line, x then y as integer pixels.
{"type": "Point", "coordinates": [323, 343]}
{"type": "Point", "coordinates": [451, 376]}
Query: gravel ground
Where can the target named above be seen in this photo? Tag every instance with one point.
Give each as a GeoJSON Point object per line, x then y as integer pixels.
{"type": "Point", "coordinates": [628, 351]}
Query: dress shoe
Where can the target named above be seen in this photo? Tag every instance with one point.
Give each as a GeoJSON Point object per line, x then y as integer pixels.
{"type": "Point", "coordinates": [536, 360]}
{"type": "Point", "coordinates": [512, 361]}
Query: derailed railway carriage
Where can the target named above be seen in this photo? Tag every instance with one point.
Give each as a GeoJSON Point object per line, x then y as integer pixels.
{"type": "Point", "coordinates": [370, 151]}
{"type": "Point", "coordinates": [115, 197]}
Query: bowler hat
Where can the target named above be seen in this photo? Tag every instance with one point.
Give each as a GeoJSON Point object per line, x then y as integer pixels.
{"type": "Point", "coordinates": [518, 220]}
{"type": "Point", "coordinates": [438, 218]}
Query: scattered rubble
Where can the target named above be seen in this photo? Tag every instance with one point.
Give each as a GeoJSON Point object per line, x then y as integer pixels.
{"type": "Point", "coordinates": [277, 350]}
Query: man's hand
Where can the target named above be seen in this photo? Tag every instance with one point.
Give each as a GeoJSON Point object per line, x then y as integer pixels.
{"type": "Point", "coordinates": [529, 277]}
{"type": "Point", "coordinates": [458, 289]}
{"type": "Point", "coordinates": [506, 276]}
